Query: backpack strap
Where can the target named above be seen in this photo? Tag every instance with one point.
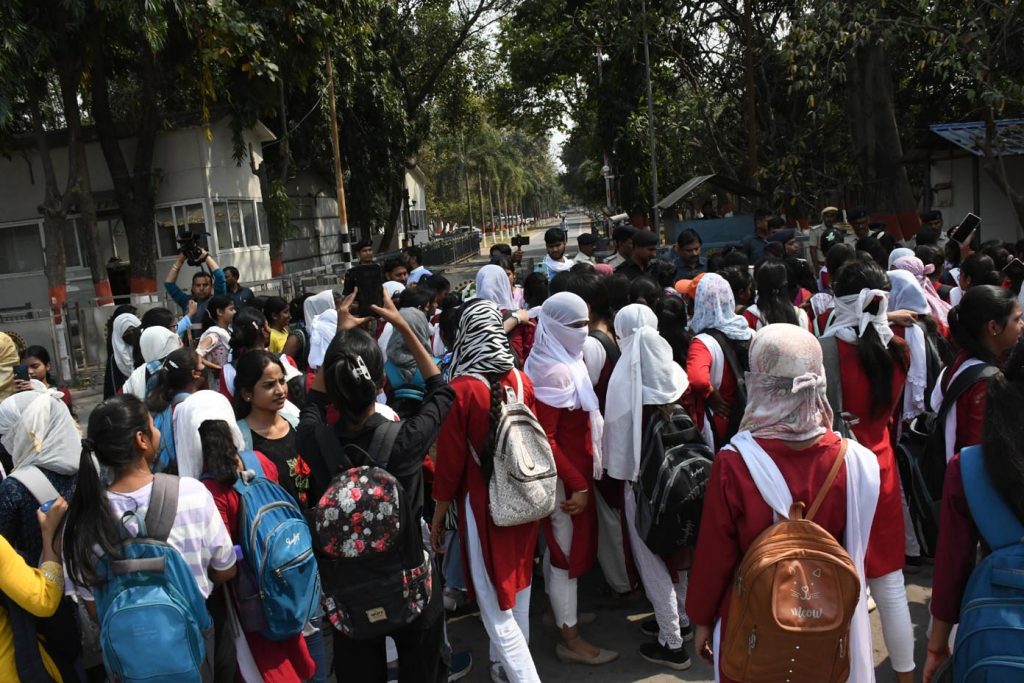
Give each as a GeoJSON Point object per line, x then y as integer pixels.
{"type": "Point", "coordinates": [964, 381]}
{"type": "Point", "coordinates": [834, 383]}
{"type": "Point", "coordinates": [519, 385]}
{"type": "Point", "coordinates": [32, 478]}
{"type": "Point", "coordinates": [610, 349]}
{"type": "Point", "coordinates": [996, 522]}
{"type": "Point", "coordinates": [251, 461]}
{"type": "Point", "coordinates": [383, 442]}
{"type": "Point", "coordinates": [163, 506]}
{"type": "Point", "coordinates": [246, 431]}
{"type": "Point", "coordinates": [829, 480]}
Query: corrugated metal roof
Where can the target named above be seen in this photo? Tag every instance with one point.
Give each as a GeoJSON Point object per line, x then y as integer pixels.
{"type": "Point", "coordinates": [971, 136]}
{"type": "Point", "coordinates": [727, 184]}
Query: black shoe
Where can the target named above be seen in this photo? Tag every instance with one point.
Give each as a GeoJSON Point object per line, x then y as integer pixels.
{"type": "Point", "coordinates": [659, 654]}
{"type": "Point", "coordinates": [650, 628]}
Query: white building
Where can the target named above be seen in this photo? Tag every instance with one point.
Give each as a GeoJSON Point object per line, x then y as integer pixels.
{"type": "Point", "coordinates": [960, 184]}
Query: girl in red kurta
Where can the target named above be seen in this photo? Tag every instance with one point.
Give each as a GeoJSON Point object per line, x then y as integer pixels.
{"type": "Point", "coordinates": [786, 426]}
{"type": "Point", "coordinates": [985, 326]}
{"type": "Point", "coordinates": [873, 367]}
{"type": "Point", "coordinates": [568, 409]}
{"type": "Point", "coordinates": [1002, 454]}
{"type": "Point", "coordinates": [278, 661]}
{"type": "Point", "coordinates": [498, 560]}
{"type": "Point", "coordinates": [712, 382]}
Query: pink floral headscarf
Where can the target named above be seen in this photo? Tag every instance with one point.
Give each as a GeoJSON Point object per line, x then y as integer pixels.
{"type": "Point", "coordinates": [917, 268]}
{"type": "Point", "coordinates": [786, 385]}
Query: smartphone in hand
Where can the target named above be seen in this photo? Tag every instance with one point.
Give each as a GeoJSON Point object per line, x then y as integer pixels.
{"type": "Point", "coordinates": [968, 225]}
{"type": "Point", "coordinates": [21, 372]}
{"type": "Point", "coordinates": [369, 281]}
{"type": "Point", "coordinates": [1015, 270]}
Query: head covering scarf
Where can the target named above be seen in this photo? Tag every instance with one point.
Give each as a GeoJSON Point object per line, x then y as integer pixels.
{"type": "Point", "coordinates": [8, 359]}
{"type": "Point", "coordinates": [322, 323]}
{"type": "Point", "coordinates": [715, 308]}
{"type": "Point", "coordinates": [908, 295]}
{"type": "Point", "coordinates": [123, 355]}
{"type": "Point", "coordinates": [899, 253]}
{"type": "Point", "coordinates": [391, 288]}
{"type": "Point", "coordinates": [481, 346]}
{"type": "Point", "coordinates": [917, 268]}
{"type": "Point", "coordinates": [786, 386]}
{"type": "Point", "coordinates": [188, 417]}
{"type": "Point", "coordinates": [852, 319]}
{"type": "Point", "coordinates": [603, 269]}
{"type": "Point", "coordinates": [45, 436]}
{"type": "Point", "coordinates": [645, 375]}
{"type": "Point", "coordinates": [12, 406]}
{"type": "Point", "coordinates": [156, 343]}
{"type": "Point", "coordinates": [492, 283]}
{"type": "Point", "coordinates": [398, 352]}
{"type": "Point", "coordinates": [556, 367]}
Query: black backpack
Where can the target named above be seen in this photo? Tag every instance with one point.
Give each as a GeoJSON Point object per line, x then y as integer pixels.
{"type": "Point", "coordinates": [921, 457]}
{"type": "Point", "coordinates": [675, 465]}
{"type": "Point", "coordinates": [379, 582]}
{"type": "Point", "coordinates": [738, 360]}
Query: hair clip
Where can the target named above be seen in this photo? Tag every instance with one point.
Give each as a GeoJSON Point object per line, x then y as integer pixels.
{"type": "Point", "coordinates": [172, 364]}
{"type": "Point", "coordinates": [360, 371]}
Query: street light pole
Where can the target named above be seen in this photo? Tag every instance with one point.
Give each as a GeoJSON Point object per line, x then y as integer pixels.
{"type": "Point", "coordinates": [346, 246]}
{"type": "Point", "coordinates": [650, 124]}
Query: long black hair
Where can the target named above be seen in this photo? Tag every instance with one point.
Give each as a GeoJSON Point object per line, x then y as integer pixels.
{"type": "Point", "coordinates": [220, 456]}
{"type": "Point", "coordinates": [980, 270]}
{"type": "Point", "coordinates": [275, 305]}
{"type": "Point", "coordinates": [1003, 433]}
{"type": "Point", "coordinates": [588, 286]}
{"type": "Point", "coordinates": [174, 376]}
{"type": "Point", "coordinates": [877, 360]}
{"type": "Point", "coordinates": [89, 522]}
{"type": "Point", "coordinates": [214, 306]}
{"type": "Point", "coordinates": [158, 317]}
{"type": "Point", "coordinates": [672, 321]}
{"type": "Point", "coordinates": [248, 372]}
{"type": "Point", "coordinates": [350, 389]}
{"type": "Point", "coordinates": [645, 290]}
{"type": "Point", "coordinates": [968, 318]}
{"type": "Point", "coordinates": [773, 301]}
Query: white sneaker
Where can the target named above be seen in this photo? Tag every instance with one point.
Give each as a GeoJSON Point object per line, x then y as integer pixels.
{"type": "Point", "coordinates": [498, 674]}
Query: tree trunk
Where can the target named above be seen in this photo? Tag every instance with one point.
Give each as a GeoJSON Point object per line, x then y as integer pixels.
{"type": "Point", "coordinates": [134, 190]}
{"type": "Point", "coordinates": [750, 94]}
{"type": "Point", "coordinates": [876, 137]}
{"type": "Point", "coordinates": [70, 79]}
{"type": "Point", "coordinates": [480, 191]}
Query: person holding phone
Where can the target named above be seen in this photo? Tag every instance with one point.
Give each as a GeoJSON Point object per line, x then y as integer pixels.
{"type": "Point", "coordinates": [38, 591]}
{"type": "Point", "coordinates": [36, 363]}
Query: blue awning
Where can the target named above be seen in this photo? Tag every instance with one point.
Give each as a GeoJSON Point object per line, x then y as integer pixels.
{"type": "Point", "coordinates": [971, 136]}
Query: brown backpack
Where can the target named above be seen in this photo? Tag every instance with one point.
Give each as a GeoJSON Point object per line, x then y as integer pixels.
{"type": "Point", "coordinates": [794, 597]}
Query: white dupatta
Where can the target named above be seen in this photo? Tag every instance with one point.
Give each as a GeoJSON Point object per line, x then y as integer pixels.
{"type": "Point", "coordinates": [862, 485]}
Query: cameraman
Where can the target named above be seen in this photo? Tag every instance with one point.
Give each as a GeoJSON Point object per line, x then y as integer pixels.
{"type": "Point", "coordinates": [203, 286]}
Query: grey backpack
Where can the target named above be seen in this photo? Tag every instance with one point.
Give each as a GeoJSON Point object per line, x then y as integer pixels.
{"type": "Point", "coordinates": [522, 486]}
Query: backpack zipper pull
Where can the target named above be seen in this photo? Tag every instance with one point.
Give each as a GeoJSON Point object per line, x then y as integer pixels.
{"type": "Point", "coordinates": [842, 648]}
{"type": "Point", "coordinates": [752, 641]}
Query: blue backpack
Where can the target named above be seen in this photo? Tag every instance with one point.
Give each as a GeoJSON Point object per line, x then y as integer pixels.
{"type": "Point", "coordinates": [990, 639]}
{"type": "Point", "coordinates": [153, 618]}
{"type": "Point", "coordinates": [166, 460]}
{"type": "Point", "coordinates": [278, 550]}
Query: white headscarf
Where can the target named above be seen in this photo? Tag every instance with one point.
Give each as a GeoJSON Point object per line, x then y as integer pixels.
{"type": "Point", "coordinates": [492, 283]}
{"type": "Point", "coordinates": [188, 417]}
{"type": "Point", "coordinates": [45, 436]}
{"type": "Point", "coordinates": [156, 344]}
{"type": "Point", "coordinates": [123, 355]}
{"type": "Point", "coordinates": [12, 406]}
{"type": "Point", "coordinates": [322, 325]}
{"type": "Point", "coordinates": [852, 320]}
{"type": "Point", "coordinates": [481, 345]}
{"type": "Point", "coordinates": [556, 366]}
{"type": "Point", "coordinates": [392, 287]}
{"type": "Point", "coordinates": [786, 396]}
{"type": "Point", "coordinates": [645, 375]}
{"type": "Point", "coordinates": [907, 294]}
{"type": "Point", "coordinates": [899, 253]}
{"type": "Point", "coordinates": [714, 308]}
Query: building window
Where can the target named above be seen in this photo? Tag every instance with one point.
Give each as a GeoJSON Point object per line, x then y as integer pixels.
{"type": "Point", "coordinates": [252, 233]}
{"type": "Point", "coordinates": [171, 221]}
{"type": "Point", "coordinates": [21, 249]}
{"type": "Point", "coordinates": [220, 217]}
{"type": "Point", "coordinates": [235, 214]}
{"type": "Point", "coordinates": [264, 227]}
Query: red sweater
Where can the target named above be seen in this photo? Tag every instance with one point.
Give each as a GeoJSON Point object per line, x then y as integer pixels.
{"type": "Point", "coordinates": [970, 408]}
{"type": "Point", "coordinates": [957, 547]}
{"type": "Point", "coordinates": [507, 551]}
{"type": "Point", "coordinates": [735, 514]}
{"type": "Point", "coordinates": [698, 369]}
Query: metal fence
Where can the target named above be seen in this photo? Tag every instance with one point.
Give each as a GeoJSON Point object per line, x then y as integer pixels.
{"type": "Point", "coordinates": [61, 335]}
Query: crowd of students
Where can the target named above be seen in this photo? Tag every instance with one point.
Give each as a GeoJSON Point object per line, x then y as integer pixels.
{"type": "Point", "coordinates": [391, 437]}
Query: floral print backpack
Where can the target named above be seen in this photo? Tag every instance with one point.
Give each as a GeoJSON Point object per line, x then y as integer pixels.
{"type": "Point", "coordinates": [374, 568]}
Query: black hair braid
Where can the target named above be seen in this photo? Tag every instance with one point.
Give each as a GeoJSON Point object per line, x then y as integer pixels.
{"type": "Point", "coordinates": [219, 452]}
{"type": "Point", "coordinates": [487, 454]}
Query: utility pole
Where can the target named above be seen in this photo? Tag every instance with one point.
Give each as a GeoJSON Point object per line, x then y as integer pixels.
{"type": "Point", "coordinates": [650, 125]}
{"type": "Point", "coordinates": [606, 170]}
{"type": "Point", "coordinates": [346, 246]}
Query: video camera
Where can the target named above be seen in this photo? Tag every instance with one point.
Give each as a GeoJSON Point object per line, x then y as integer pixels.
{"type": "Point", "coordinates": [189, 245]}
